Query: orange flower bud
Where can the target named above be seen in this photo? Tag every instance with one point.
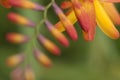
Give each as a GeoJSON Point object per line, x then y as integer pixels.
{"type": "Point", "coordinates": [66, 22]}
{"type": "Point", "coordinates": [16, 38]}
{"type": "Point", "coordinates": [57, 34]}
{"type": "Point", "coordinates": [18, 19]}
{"type": "Point", "coordinates": [29, 74]}
{"type": "Point", "coordinates": [15, 60]}
{"type": "Point", "coordinates": [26, 4]}
{"type": "Point", "coordinates": [50, 46]}
{"type": "Point", "coordinates": [42, 58]}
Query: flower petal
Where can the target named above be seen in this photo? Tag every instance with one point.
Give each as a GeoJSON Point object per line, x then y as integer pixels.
{"type": "Point", "coordinates": [104, 22]}
{"type": "Point", "coordinates": [112, 12]}
{"type": "Point", "coordinates": [71, 16]}
{"type": "Point", "coordinates": [89, 36]}
{"type": "Point", "coordinates": [66, 22]}
{"type": "Point", "coordinates": [85, 14]}
{"type": "Point", "coordinates": [112, 1]}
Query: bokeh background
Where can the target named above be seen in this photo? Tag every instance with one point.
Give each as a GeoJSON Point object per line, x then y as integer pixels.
{"type": "Point", "coordinates": [82, 60]}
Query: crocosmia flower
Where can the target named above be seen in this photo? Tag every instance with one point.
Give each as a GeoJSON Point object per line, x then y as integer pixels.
{"type": "Point", "coordinates": [90, 13]}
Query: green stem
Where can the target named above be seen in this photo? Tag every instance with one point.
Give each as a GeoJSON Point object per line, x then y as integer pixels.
{"type": "Point", "coordinates": [33, 33]}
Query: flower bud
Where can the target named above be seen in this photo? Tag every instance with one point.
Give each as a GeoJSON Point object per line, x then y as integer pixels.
{"type": "Point", "coordinates": [50, 46]}
{"type": "Point", "coordinates": [17, 74]}
{"type": "Point", "coordinates": [57, 34]}
{"type": "Point", "coordinates": [15, 60]}
{"type": "Point", "coordinates": [42, 58]}
{"type": "Point", "coordinates": [26, 4]}
{"type": "Point", "coordinates": [66, 22]}
{"type": "Point", "coordinates": [29, 74]}
{"type": "Point", "coordinates": [18, 19]}
{"type": "Point", "coordinates": [16, 38]}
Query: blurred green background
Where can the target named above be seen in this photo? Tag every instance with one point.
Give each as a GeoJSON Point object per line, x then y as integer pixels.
{"type": "Point", "coordinates": [82, 60]}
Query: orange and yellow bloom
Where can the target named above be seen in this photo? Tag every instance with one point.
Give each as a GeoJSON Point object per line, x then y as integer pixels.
{"type": "Point", "coordinates": [90, 12]}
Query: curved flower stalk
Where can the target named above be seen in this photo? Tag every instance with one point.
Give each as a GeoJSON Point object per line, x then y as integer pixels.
{"type": "Point", "coordinates": [89, 11]}
{"type": "Point", "coordinates": [17, 38]}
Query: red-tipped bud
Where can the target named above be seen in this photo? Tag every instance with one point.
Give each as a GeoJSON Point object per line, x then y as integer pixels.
{"type": "Point", "coordinates": [29, 74]}
{"type": "Point", "coordinates": [57, 34]}
{"type": "Point", "coordinates": [50, 46]}
{"type": "Point", "coordinates": [66, 22]}
{"type": "Point", "coordinates": [26, 4]}
{"type": "Point", "coordinates": [42, 58]}
{"type": "Point", "coordinates": [16, 38]}
{"type": "Point", "coordinates": [15, 60]}
{"type": "Point", "coordinates": [18, 19]}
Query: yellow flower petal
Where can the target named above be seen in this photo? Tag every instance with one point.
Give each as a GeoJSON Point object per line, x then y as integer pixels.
{"type": "Point", "coordinates": [112, 12]}
{"type": "Point", "coordinates": [104, 22]}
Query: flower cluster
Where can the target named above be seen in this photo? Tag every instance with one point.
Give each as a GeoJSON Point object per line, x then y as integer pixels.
{"type": "Point", "coordinates": [88, 13]}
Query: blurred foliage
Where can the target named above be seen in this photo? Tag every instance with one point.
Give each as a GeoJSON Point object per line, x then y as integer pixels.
{"type": "Point", "coordinates": [96, 60]}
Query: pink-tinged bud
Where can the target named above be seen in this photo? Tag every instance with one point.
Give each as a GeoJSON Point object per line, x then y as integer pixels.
{"type": "Point", "coordinates": [85, 13]}
{"type": "Point", "coordinates": [29, 74]}
{"type": "Point", "coordinates": [5, 3]}
{"type": "Point", "coordinates": [57, 34]}
{"type": "Point", "coordinates": [17, 74]}
{"type": "Point", "coordinates": [42, 58]}
{"type": "Point", "coordinates": [26, 4]}
{"type": "Point", "coordinates": [15, 60]}
{"type": "Point", "coordinates": [18, 19]}
{"type": "Point", "coordinates": [66, 22]}
{"type": "Point", "coordinates": [49, 45]}
{"type": "Point", "coordinates": [66, 5]}
{"type": "Point", "coordinates": [16, 38]}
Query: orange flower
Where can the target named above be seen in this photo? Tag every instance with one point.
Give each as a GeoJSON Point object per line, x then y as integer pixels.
{"type": "Point", "coordinates": [90, 12]}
